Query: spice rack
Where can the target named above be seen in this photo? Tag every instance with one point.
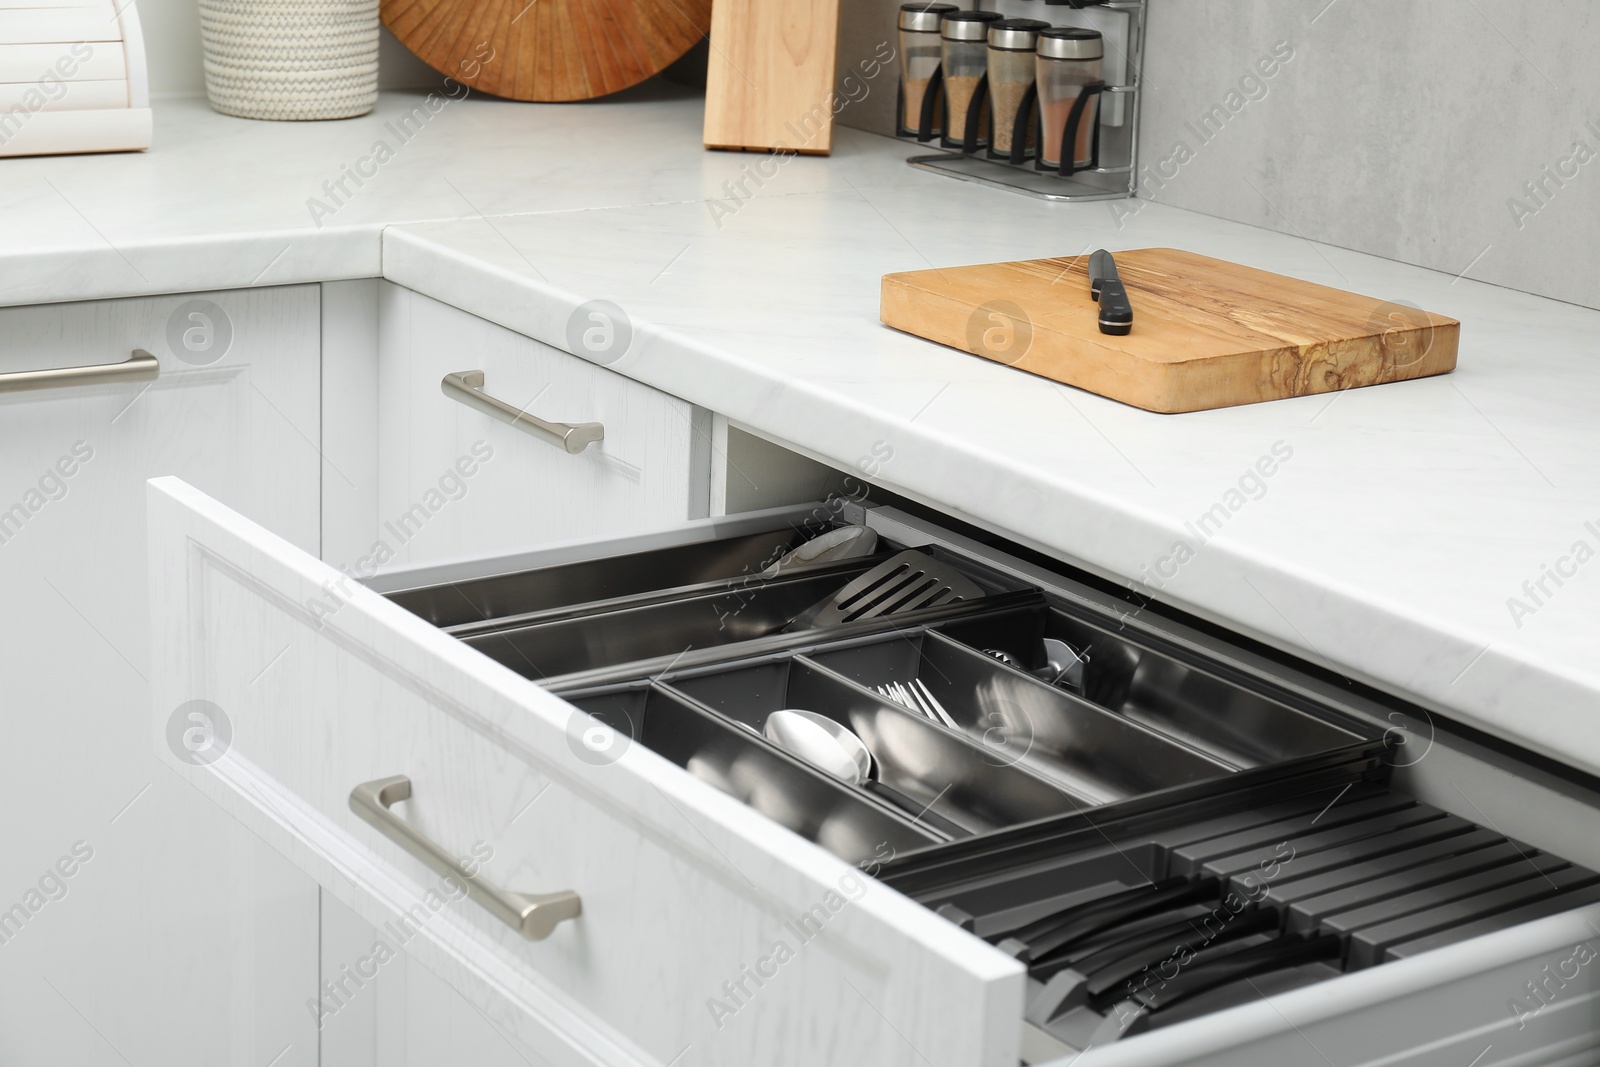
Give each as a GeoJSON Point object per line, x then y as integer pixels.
{"type": "Point", "coordinates": [1112, 171]}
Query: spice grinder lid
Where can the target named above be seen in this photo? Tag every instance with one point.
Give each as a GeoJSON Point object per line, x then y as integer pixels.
{"type": "Point", "coordinates": [923, 17]}
{"type": "Point", "coordinates": [968, 25]}
{"type": "Point", "coordinates": [1071, 42]}
{"type": "Point", "coordinates": [1015, 35]}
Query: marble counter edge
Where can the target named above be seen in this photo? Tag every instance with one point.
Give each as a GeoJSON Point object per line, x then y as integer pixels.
{"type": "Point", "coordinates": [188, 265]}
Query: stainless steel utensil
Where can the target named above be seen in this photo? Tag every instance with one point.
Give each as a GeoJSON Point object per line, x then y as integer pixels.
{"type": "Point", "coordinates": [931, 702]}
{"type": "Point", "coordinates": [904, 582]}
{"type": "Point", "coordinates": [918, 698]}
{"type": "Point", "coordinates": [819, 741]}
{"type": "Point", "coordinates": [897, 693]}
{"type": "Point", "coordinates": [1066, 666]}
{"type": "Point", "coordinates": [1095, 755]}
{"type": "Point", "coordinates": [1062, 666]}
{"type": "Point", "coordinates": [846, 542]}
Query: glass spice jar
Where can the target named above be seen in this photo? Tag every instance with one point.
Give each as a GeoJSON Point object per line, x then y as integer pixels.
{"type": "Point", "coordinates": [1011, 74]}
{"type": "Point", "coordinates": [919, 58]}
{"type": "Point", "coordinates": [964, 61]}
{"type": "Point", "coordinates": [1067, 60]}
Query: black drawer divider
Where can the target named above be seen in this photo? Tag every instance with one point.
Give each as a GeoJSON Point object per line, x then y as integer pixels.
{"type": "Point", "coordinates": [927, 872]}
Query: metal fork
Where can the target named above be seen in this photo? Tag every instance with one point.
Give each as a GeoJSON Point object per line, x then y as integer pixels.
{"type": "Point", "coordinates": [918, 698]}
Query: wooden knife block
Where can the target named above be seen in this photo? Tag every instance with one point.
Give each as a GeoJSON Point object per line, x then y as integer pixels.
{"type": "Point", "coordinates": [769, 81]}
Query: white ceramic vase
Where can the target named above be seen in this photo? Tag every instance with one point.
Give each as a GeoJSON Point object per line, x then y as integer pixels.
{"type": "Point", "coordinates": [291, 59]}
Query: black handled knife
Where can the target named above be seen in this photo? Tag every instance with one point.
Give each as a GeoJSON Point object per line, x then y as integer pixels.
{"type": "Point", "coordinates": [1105, 285]}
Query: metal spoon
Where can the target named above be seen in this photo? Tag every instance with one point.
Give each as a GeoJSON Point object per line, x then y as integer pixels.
{"type": "Point", "coordinates": [819, 741]}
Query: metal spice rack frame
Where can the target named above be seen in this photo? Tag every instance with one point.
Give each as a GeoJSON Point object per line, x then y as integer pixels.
{"type": "Point", "coordinates": [1113, 176]}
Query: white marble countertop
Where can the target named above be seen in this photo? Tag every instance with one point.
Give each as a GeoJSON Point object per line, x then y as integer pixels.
{"type": "Point", "coordinates": [221, 202]}
{"type": "Point", "coordinates": [1386, 545]}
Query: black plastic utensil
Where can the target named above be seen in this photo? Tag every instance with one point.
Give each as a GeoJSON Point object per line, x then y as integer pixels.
{"type": "Point", "coordinates": [1056, 932]}
{"type": "Point", "coordinates": [1105, 285]}
{"type": "Point", "coordinates": [1231, 966]}
{"type": "Point", "coordinates": [1096, 978]}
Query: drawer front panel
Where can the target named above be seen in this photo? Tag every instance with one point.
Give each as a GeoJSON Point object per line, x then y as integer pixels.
{"type": "Point", "coordinates": [708, 936]}
{"type": "Point", "coordinates": [652, 468]}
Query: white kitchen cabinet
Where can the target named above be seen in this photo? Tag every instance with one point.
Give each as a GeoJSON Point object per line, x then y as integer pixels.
{"type": "Point", "coordinates": [455, 482]}
{"type": "Point", "coordinates": [178, 938]}
{"type": "Point", "coordinates": [394, 442]}
{"type": "Point", "coordinates": [685, 892]}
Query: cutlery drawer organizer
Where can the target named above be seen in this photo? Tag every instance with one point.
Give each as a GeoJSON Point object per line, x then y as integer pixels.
{"type": "Point", "coordinates": [651, 642]}
{"type": "Point", "coordinates": [1020, 750]}
{"type": "Point", "coordinates": [1143, 883]}
{"type": "Point", "coordinates": [1123, 847]}
{"type": "Point", "coordinates": [1192, 888]}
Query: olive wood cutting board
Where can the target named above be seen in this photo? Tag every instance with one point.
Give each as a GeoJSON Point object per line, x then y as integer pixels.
{"type": "Point", "coordinates": [1206, 333]}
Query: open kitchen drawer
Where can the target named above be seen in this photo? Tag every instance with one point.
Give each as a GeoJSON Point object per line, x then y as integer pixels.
{"type": "Point", "coordinates": [662, 921]}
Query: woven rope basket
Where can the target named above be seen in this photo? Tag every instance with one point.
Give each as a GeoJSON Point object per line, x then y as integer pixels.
{"type": "Point", "coordinates": [291, 59]}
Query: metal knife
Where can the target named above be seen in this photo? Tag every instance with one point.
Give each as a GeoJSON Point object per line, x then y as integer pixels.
{"type": "Point", "coordinates": [1105, 285]}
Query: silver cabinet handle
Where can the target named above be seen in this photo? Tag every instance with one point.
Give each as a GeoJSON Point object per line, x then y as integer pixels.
{"type": "Point", "coordinates": [467, 387]}
{"type": "Point", "coordinates": [139, 367]}
{"type": "Point", "coordinates": [533, 915]}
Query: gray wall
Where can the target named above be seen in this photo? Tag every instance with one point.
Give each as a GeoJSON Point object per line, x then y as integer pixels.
{"type": "Point", "coordinates": [1411, 129]}
{"type": "Point", "coordinates": [865, 25]}
{"type": "Point", "coordinates": [1403, 128]}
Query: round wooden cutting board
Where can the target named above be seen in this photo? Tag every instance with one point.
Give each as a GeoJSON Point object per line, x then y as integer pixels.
{"type": "Point", "coordinates": [548, 49]}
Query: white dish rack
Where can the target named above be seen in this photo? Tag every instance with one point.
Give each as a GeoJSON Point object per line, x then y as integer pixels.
{"type": "Point", "coordinates": [72, 78]}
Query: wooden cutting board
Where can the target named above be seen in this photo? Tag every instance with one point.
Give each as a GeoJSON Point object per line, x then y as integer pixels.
{"type": "Point", "coordinates": [769, 81]}
{"type": "Point", "coordinates": [548, 49]}
{"type": "Point", "coordinates": [1207, 333]}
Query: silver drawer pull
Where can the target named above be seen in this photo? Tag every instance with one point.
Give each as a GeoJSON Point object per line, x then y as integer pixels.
{"type": "Point", "coordinates": [139, 367]}
{"type": "Point", "coordinates": [533, 915]}
{"type": "Point", "coordinates": [467, 387]}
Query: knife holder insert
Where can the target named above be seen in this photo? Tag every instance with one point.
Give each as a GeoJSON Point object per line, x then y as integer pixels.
{"type": "Point", "coordinates": [1144, 920]}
